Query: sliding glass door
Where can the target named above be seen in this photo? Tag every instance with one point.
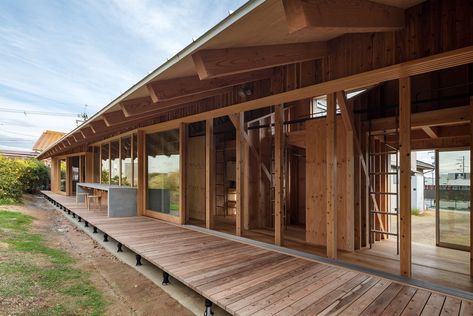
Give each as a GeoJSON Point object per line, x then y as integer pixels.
{"type": "Point", "coordinates": [453, 199]}
{"type": "Point", "coordinates": [163, 172]}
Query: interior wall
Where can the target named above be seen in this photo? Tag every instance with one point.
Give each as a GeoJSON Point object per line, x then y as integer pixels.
{"type": "Point", "coordinates": [316, 185]}
{"type": "Point", "coordinates": [195, 164]}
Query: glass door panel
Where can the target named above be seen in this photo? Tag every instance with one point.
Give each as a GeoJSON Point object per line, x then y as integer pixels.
{"type": "Point", "coordinates": [453, 199]}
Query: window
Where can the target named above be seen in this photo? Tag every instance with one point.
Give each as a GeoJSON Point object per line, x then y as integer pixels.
{"type": "Point", "coordinates": [126, 164]}
{"type": "Point", "coordinates": [115, 162]}
{"type": "Point", "coordinates": [105, 167]}
{"type": "Point", "coordinates": [62, 178]}
{"type": "Point", "coordinates": [163, 172]}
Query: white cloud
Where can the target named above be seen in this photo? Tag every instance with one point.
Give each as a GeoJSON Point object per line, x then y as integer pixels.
{"type": "Point", "coordinates": [58, 56]}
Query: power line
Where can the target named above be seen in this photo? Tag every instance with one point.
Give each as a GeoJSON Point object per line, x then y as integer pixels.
{"type": "Point", "coordinates": [28, 112]}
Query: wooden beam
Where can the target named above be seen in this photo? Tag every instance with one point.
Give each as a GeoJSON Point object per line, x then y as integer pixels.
{"type": "Point", "coordinates": [97, 126]}
{"type": "Point", "coordinates": [351, 16]}
{"type": "Point", "coordinates": [430, 131]}
{"type": "Point", "coordinates": [449, 116]}
{"type": "Point", "coordinates": [209, 173]}
{"type": "Point", "coordinates": [186, 86]}
{"type": "Point", "coordinates": [113, 118]}
{"type": "Point", "coordinates": [279, 216]}
{"type": "Point", "coordinates": [415, 67]}
{"type": "Point", "coordinates": [214, 63]}
{"type": "Point", "coordinates": [405, 175]}
{"type": "Point", "coordinates": [136, 106]}
{"type": "Point", "coordinates": [239, 175]}
{"type": "Point", "coordinates": [450, 142]}
{"type": "Point", "coordinates": [331, 161]}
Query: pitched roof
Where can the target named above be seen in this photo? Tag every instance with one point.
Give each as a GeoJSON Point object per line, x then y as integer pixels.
{"type": "Point", "coordinates": [46, 139]}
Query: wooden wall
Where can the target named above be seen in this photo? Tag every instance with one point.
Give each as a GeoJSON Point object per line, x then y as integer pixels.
{"type": "Point", "coordinates": [316, 185]}
{"type": "Point", "coordinates": [195, 164]}
{"type": "Point", "coordinates": [432, 27]}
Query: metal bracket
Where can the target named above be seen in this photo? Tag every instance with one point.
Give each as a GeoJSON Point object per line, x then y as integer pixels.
{"type": "Point", "coordinates": [208, 308]}
{"type": "Point", "coordinates": [119, 247]}
{"type": "Point", "coordinates": [138, 260]}
{"type": "Point", "coordinates": [165, 278]}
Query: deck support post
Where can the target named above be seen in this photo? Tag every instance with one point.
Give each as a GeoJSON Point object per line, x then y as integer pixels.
{"type": "Point", "coordinates": [208, 308]}
{"type": "Point", "coordinates": [80, 219]}
{"type": "Point", "coordinates": [69, 212]}
{"type": "Point", "coordinates": [405, 175]}
{"type": "Point", "coordinates": [86, 223]}
{"type": "Point", "coordinates": [73, 215]}
{"type": "Point", "coordinates": [95, 230]}
{"type": "Point", "coordinates": [138, 260]}
{"type": "Point", "coordinates": [119, 247]}
{"type": "Point", "coordinates": [105, 237]}
{"type": "Point", "coordinates": [165, 278]}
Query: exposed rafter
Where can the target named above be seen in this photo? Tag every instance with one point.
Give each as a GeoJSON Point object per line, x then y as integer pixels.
{"type": "Point", "coordinates": [177, 88]}
{"type": "Point", "coordinates": [97, 126]}
{"type": "Point", "coordinates": [352, 16]}
{"type": "Point", "coordinates": [113, 118]}
{"type": "Point", "coordinates": [214, 63]}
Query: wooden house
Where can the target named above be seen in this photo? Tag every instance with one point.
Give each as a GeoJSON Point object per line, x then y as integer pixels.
{"type": "Point", "coordinates": [281, 124]}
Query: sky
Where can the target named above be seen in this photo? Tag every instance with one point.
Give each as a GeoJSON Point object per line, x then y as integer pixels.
{"type": "Point", "coordinates": [71, 56]}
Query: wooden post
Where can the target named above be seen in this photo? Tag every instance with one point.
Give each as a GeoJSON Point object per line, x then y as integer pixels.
{"type": "Point", "coordinates": [279, 175]}
{"type": "Point", "coordinates": [183, 173]}
{"type": "Point", "coordinates": [239, 175]}
{"type": "Point", "coordinates": [405, 176]}
{"type": "Point", "coordinates": [350, 191]}
{"type": "Point", "coordinates": [141, 185]}
{"type": "Point", "coordinates": [471, 186]}
{"type": "Point", "coordinates": [209, 173]}
{"type": "Point", "coordinates": [331, 211]}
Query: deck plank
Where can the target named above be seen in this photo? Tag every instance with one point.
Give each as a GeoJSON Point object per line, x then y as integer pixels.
{"type": "Point", "coordinates": [248, 280]}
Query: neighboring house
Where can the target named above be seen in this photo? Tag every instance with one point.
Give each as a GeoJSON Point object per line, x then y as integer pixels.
{"type": "Point", "coordinates": [418, 171]}
{"type": "Point", "coordinates": [44, 141]}
{"type": "Point", "coordinates": [17, 154]}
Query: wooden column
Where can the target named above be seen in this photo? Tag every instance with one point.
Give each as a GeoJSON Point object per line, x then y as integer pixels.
{"type": "Point", "coordinates": [141, 186]}
{"type": "Point", "coordinates": [183, 173]}
{"type": "Point", "coordinates": [279, 175]}
{"type": "Point", "coordinates": [239, 174]}
{"type": "Point", "coordinates": [209, 173]}
{"type": "Point", "coordinates": [405, 175]}
{"type": "Point", "coordinates": [471, 187]}
{"type": "Point", "coordinates": [331, 211]}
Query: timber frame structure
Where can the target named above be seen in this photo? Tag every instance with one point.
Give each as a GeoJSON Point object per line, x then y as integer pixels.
{"type": "Point", "coordinates": [276, 114]}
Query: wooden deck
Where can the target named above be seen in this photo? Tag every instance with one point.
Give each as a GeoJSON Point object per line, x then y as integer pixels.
{"type": "Point", "coordinates": [245, 279]}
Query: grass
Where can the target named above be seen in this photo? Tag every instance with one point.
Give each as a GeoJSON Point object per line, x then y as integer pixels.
{"type": "Point", "coordinates": [8, 201]}
{"type": "Point", "coordinates": [415, 211]}
{"type": "Point", "coordinates": [30, 270]}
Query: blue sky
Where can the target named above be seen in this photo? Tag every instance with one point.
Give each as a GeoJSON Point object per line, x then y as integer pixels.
{"type": "Point", "coordinates": [57, 56]}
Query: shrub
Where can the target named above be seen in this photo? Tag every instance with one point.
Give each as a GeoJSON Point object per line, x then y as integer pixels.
{"type": "Point", "coordinates": [10, 184]}
{"type": "Point", "coordinates": [18, 176]}
{"type": "Point", "coordinates": [415, 211]}
{"type": "Point", "coordinates": [35, 176]}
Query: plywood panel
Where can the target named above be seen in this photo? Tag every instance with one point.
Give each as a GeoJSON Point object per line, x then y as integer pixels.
{"type": "Point", "coordinates": [196, 177]}
{"type": "Point", "coordinates": [316, 182]}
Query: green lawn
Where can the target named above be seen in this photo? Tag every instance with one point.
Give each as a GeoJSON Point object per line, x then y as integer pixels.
{"type": "Point", "coordinates": [40, 279]}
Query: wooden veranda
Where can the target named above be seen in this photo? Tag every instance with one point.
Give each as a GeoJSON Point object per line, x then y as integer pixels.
{"type": "Point", "coordinates": [245, 279]}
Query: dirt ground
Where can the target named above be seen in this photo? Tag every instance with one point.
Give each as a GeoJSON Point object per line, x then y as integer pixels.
{"type": "Point", "coordinates": [126, 291]}
{"type": "Point", "coordinates": [454, 227]}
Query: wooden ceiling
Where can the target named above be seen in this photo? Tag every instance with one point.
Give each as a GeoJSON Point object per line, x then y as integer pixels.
{"type": "Point", "coordinates": [276, 32]}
